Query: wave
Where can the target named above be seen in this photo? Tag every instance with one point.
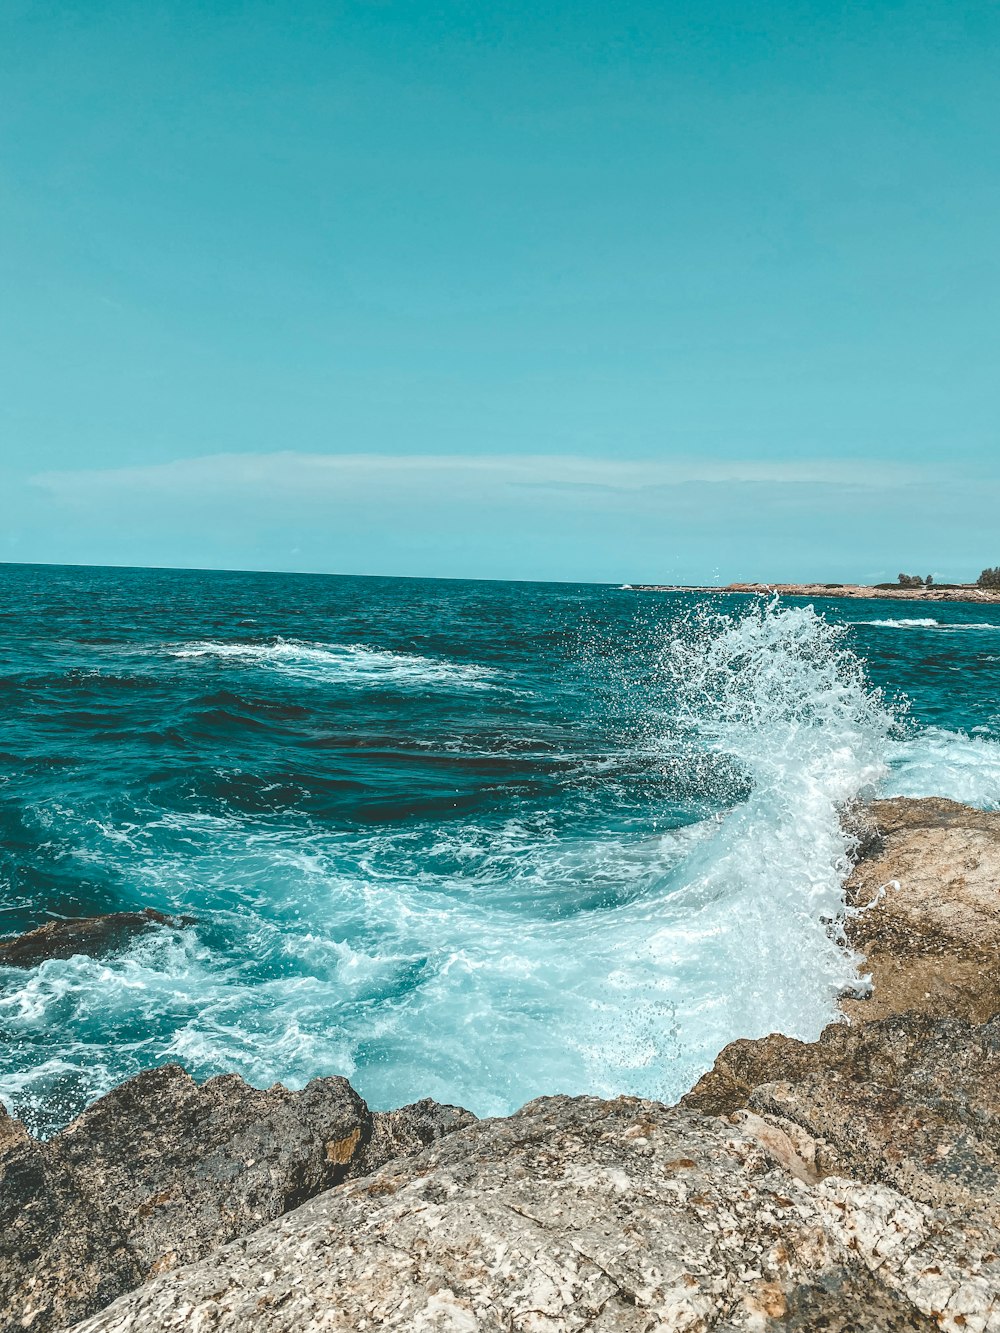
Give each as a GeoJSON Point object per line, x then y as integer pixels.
{"type": "Point", "coordinates": [937, 762]}
{"type": "Point", "coordinates": [346, 664]}
{"type": "Point", "coordinates": [780, 694]}
{"type": "Point", "coordinates": [927, 622]}
{"type": "Point", "coordinates": [489, 961]}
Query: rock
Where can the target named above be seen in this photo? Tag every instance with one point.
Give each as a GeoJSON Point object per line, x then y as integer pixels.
{"type": "Point", "coordinates": [93, 935]}
{"type": "Point", "coordinates": [410, 1129]}
{"type": "Point", "coordinates": [910, 1100]}
{"type": "Point", "coordinates": [935, 592]}
{"type": "Point", "coordinates": [608, 1216]}
{"type": "Point", "coordinates": [926, 891]}
{"type": "Point", "coordinates": [12, 1132]}
{"type": "Point", "coordinates": [160, 1171]}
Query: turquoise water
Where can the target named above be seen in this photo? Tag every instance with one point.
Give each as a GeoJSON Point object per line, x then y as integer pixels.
{"type": "Point", "coordinates": [475, 841]}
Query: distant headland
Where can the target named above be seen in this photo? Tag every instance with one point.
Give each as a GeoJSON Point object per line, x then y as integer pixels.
{"type": "Point", "coordinates": [908, 587]}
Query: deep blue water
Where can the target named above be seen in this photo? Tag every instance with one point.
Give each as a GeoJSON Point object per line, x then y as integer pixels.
{"type": "Point", "coordinates": [476, 841]}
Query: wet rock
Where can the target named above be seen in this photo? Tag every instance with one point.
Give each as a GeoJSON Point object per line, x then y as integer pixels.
{"type": "Point", "coordinates": [161, 1170]}
{"type": "Point", "coordinates": [579, 1214]}
{"type": "Point", "coordinates": [92, 935]}
{"type": "Point", "coordinates": [926, 892]}
{"type": "Point", "coordinates": [12, 1132]}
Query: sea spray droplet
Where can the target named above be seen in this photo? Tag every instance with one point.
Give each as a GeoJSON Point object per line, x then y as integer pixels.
{"type": "Point", "coordinates": [780, 690]}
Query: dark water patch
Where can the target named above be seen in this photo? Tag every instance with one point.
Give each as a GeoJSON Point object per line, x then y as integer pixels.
{"type": "Point", "coordinates": [420, 808]}
{"type": "Point", "coordinates": [252, 793]}
{"type": "Point", "coordinates": [226, 722]}
{"type": "Point", "coordinates": [283, 710]}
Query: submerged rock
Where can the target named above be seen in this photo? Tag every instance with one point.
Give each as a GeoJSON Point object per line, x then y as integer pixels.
{"type": "Point", "coordinates": [162, 1170]}
{"type": "Point", "coordinates": [92, 935]}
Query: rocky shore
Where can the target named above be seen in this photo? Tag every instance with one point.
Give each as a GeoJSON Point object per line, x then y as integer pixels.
{"type": "Point", "coordinates": [943, 592]}
{"type": "Point", "coordinates": [847, 1184]}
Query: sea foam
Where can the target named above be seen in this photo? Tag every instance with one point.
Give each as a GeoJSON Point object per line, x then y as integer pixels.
{"type": "Point", "coordinates": [928, 622]}
{"type": "Point", "coordinates": [346, 663]}
{"type": "Point", "coordinates": [487, 963]}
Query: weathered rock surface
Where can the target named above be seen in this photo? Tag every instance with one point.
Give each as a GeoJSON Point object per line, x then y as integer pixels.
{"type": "Point", "coordinates": [581, 1214]}
{"type": "Point", "coordinates": [928, 884]}
{"type": "Point", "coordinates": [93, 935]}
{"type": "Point", "coordinates": [910, 1100]}
{"type": "Point", "coordinates": [161, 1171]}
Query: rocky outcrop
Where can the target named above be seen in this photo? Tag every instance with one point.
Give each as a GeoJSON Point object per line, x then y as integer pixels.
{"type": "Point", "coordinates": [93, 935]}
{"type": "Point", "coordinates": [926, 897]}
{"type": "Point", "coordinates": [935, 592]}
{"type": "Point", "coordinates": [626, 1215]}
{"type": "Point", "coordinates": [909, 1101]}
{"type": "Point", "coordinates": [161, 1171]}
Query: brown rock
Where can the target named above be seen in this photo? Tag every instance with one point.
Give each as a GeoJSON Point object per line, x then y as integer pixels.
{"type": "Point", "coordinates": [575, 1215]}
{"type": "Point", "coordinates": [12, 1132]}
{"type": "Point", "coordinates": [410, 1129]}
{"type": "Point", "coordinates": [93, 935]}
{"type": "Point", "coordinates": [910, 1100]}
{"type": "Point", "coordinates": [928, 889]}
{"type": "Point", "coordinates": [160, 1171]}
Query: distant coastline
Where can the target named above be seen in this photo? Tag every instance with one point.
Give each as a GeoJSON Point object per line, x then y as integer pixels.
{"type": "Point", "coordinates": [938, 592]}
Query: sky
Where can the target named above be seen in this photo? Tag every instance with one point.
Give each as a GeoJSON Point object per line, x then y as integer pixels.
{"type": "Point", "coordinates": [684, 291]}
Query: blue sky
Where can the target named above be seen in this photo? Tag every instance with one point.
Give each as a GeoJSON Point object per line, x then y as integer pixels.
{"type": "Point", "coordinates": [685, 291]}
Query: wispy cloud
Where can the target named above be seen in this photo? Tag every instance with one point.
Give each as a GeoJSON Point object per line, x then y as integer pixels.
{"type": "Point", "coordinates": [313, 476]}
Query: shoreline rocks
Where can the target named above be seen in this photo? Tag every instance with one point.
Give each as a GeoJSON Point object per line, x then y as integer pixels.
{"type": "Point", "coordinates": [925, 897]}
{"type": "Point", "coordinates": [939, 592]}
{"type": "Point", "coordinates": [161, 1171]}
{"type": "Point", "coordinates": [846, 1184]}
{"type": "Point", "coordinates": [626, 1215]}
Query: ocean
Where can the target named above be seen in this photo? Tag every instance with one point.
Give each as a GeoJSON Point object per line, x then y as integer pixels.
{"type": "Point", "coordinates": [466, 840]}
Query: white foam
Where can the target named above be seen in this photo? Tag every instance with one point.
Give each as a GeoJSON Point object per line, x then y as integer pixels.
{"type": "Point", "coordinates": [929, 622]}
{"type": "Point", "coordinates": [926, 622]}
{"type": "Point", "coordinates": [346, 664]}
{"type": "Point", "coordinates": [937, 762]}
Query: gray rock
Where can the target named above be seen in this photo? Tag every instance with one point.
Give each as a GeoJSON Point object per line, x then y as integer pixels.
{"type": "Point", "coordinates": [408, 1130]}
{"type": "Point", "coordinates": [579, 1214]}
{"type": "Point", "coordinates": [161, 1171]}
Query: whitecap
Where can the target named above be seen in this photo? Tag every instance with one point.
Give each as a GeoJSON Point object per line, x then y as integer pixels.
{"type": "Point", "coordinates": [938, 762]}
{"type": "Point", "coordinates": [354, 664]}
